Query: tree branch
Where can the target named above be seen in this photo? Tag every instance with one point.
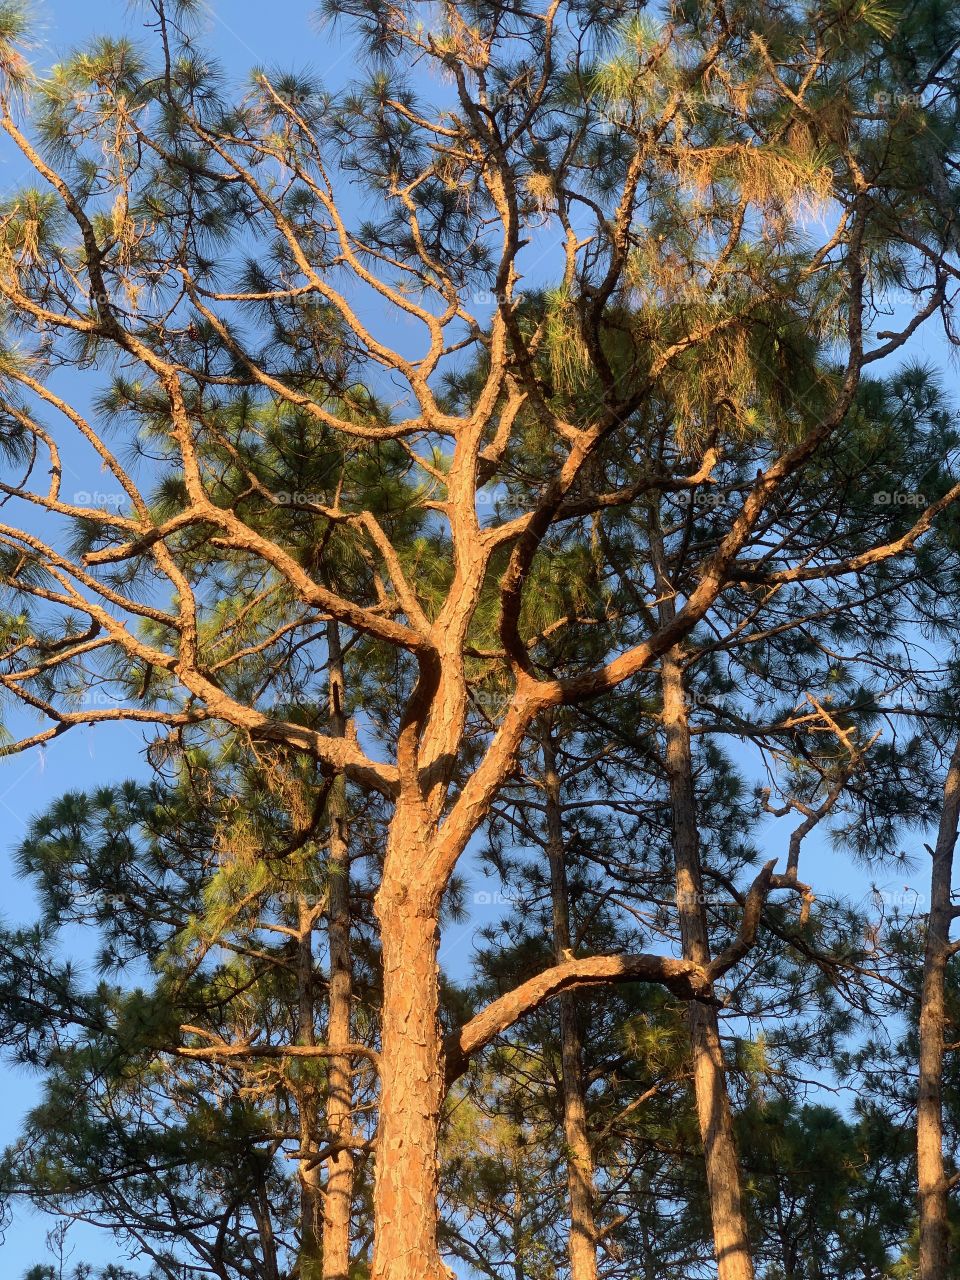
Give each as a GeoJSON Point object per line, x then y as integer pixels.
{"type": "Point", "coordinates": [682, 977]}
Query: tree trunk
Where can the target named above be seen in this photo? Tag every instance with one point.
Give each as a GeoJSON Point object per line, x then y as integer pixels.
{"type": "Point", "coordinates": [338, 1196]}
{"type": "Point", "coordinates": [311, 1192]}
{"type": "Point", "coordinates": [931, 1171]}
{"type": "Point", "coordinates": [581, 1245]}
{"type": "Point", "coordinates": [730, 1240]}
{"type": "Point", "coordinates": [411, 1070]}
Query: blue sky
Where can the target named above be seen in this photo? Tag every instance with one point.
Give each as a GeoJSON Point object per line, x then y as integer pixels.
{"type": "Point", "coordinates": [241, 33]}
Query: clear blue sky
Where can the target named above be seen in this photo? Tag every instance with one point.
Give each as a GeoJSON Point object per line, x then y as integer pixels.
{"type": "Point", "coordinates": [241, 33]}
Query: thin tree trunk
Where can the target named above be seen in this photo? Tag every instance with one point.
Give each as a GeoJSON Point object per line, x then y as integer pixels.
{"type": "Point", "coordinates": [932, 1180]}
{"type": "Point", "coordinates": [261, 1210]}
{"type": "Point", "coordinates": [338, 1196]}
{"type": "Point", "coordinates": [581, 1245]}
{"type": "Point", "coordinates": [311, 1191]}
{"type": "Point", "coordinates": [731, 1243]}
{"type": "Point", "coordinates": [411, 1070]}
{"type": "Point", "coordinates": [518, 1242]}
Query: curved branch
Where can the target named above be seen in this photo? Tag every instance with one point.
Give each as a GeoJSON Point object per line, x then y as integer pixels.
{"type": "Point", "coordinates": [682, 977]}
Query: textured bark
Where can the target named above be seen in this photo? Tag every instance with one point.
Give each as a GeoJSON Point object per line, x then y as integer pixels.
{"type": "Point", "coordinates": [411, 1072]}
{"type": "Point", "coordinates": [731, 1243]}
{"type": "Point", "coordinates": [338, 1197]}
{"type": "Point", "coordinates": [933, 1185]}
{"type": "Point", "coordinates": [581, 1245]}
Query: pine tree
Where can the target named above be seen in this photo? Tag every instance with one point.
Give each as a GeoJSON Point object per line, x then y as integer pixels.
{"type": "Point", "coordinates": [193, 251]}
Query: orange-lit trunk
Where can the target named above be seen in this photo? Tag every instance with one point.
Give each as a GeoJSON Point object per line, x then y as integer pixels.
{"type": "Point", "coordinates": [338, 1192]}
{"type": "Point", "coordinates": [411, 1077]}
{"type": "Point", "coordinates": [933, 1186]}
{"type": "Point", "coordinates": [731, 1243]}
